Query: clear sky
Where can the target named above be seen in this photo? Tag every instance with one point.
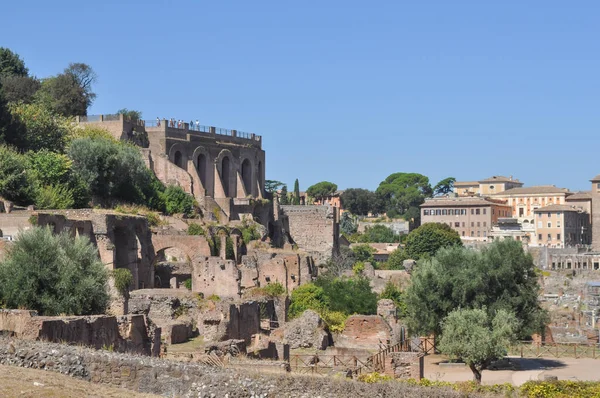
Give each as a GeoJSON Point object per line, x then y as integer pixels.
{"type": "Point", "coordinates": [347, 91]}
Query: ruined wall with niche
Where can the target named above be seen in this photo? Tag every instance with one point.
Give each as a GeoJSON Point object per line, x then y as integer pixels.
{"type": "Point", "coordinates": [315, 229]}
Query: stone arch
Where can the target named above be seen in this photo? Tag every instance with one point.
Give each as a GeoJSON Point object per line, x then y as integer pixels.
{"type": "Point", "coordinates": [201, 159]}
{"type": "Point", "coordinates": [192, 246]}
{"type": "Point", "coordinates": [247, 178]}
{"type": "Point", "coordinates": [178, 155]}
{"type": "Point", "coordinates": [226, 169]}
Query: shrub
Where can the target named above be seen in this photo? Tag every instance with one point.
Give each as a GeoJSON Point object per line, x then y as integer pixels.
{"type": "Point", "coordinates": [53, 274]}
{"type": "Point", "coordinates": [349, 295]}
{"type": "Point", "coordinates": [249, 232]}
{"type": "Point", "coordinates": [16, 183]}
{"type": "Point", "coordinates": [560, 389]}
{"type": "Point", "coordinates": [393, 293]}
{"type": "Point", "coordinates": [358, 268]}
{"type": "Point", "coordinates": [188, 284]}
{"type": "Point", "coordinates": [195, 229]}
{"type": "Point", "coordinates": [274, 289]}
{"type": "Point", "coordinates": [335, 320]}
{"type": "Point", "coordinates": [177, 201]}
{"type": "Point", "coordinates": [363, 252]}
{"type": "Point", "coordinates": [123, 280]}
{"type": "Point", "coordinates": [374, 378]}
{"type": "Point", "coordinates": [214, 297]}
{"type": "Point", "coordinates": [307, 297]}
{"type": "Point", "coordinates": [54, 197]}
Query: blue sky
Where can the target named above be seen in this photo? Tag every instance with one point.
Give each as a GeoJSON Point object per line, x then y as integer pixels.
{"type": "Point", "coordinates": [347, 91]}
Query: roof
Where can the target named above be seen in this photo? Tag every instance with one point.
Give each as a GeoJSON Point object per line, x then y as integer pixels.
{"type": "Point", "coordinates": [501, 179]}
{"type": "Point", "coordinates": [581, 195]}
{"type": "Point", "coordinates": [558, 208]}
{"type": "Point", "coordinates": [535, 190]}
{"type": "Point", "coordinates": [462, 183]}
{"type": "Point", "coordinates": [461, 201]}
{"type": "Point", "coordinates": [597, 178]}
{"type": "Point", "coordinates": [382, 248]}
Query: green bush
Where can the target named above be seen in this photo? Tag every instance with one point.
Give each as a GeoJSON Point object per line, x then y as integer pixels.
{"type": "Point", "coordinates": [195, 229]}
{"type": "Point", "coordinates": [54, 197]}
{"type": "Point", "coordinates": [16, 183]}
{"type": "Point", "coordinates": [363, 252]}
{"type": "Point", "coordinates": [123, 280]}
{"type": "Point", "coordinates": [249, 232]}
{"type": "Point", "coordinates": [214, 297]}
{"type": "Point", "coordinates": [393, 293]}
{"type": "Point", "coordinates": [274, 289]}
{"type": "Point", "coordinates": [307, 297]}
{"type": "Point", "coordinates": [349, 295]}
{"type": "Point", "coordinates": [53, 274]}
{"type": "Point", "coordinates": [560, 389]}
{"type": "Point", "coordinates": [177, 201]}
{"type": "Point", "coordinates": [358, 268]}
{"type": "Point", "coordinates": [188, 284]}
{"type": "Point", "coordinates": [335, 320]}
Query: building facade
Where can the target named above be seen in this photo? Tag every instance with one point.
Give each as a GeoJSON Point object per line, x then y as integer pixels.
{"type": "Point", "coordinates": [486, 187]}
{"type": "Point", "coordinates": [562, 226]}
{"type": "Point", "coordinates": [471, 217]}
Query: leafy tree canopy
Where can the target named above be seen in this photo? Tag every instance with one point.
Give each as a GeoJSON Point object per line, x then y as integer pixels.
{"type": "Point", "coordinates": [130, 114]}
{"type": "Point", "coordinates": [16, 183]}
{"type": "Point", "coordinates": [321, 189]}
{"type": "Point", "coordinates": [177, 201]}
{"type": "Point", "coordinates": [11, 64]}
{"type": "Point", "coordinates": [429, 238]}
{"type": "Point", "coordinates": [363, 252]}
{"type": "Point", "coordinates": [360, 201]}
{"type": "Point", "coordinates": [347, 224]}
{"type": "Point", "coordinates": [19, 88]}
{"type": "Point", "coordinates": [403, 193]}
{"type": "Point", "coordinates": [500, 276]}
{"type": "Point", "coordinates": [53, 274]}
{"type": "Point", "coordinates": [444, 187]}
{"type": "Point", "coordinates": [272, 186]}
{"type": "Point", "coordinates": [349, 295]}
{"type": "Point", "coordinates": [41, 129]}
{"type": "Point", "coordinates": [396, 259]}
{"type": "Point", "coordinates": [478, 338]}
{"type": "Point", "coordinates": [377, 233]}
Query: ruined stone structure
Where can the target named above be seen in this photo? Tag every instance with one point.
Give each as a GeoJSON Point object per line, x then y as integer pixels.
{"type": "Point", "coordinates": [222, 168]}
{"type": "Point", "coordinates": [123, 241]}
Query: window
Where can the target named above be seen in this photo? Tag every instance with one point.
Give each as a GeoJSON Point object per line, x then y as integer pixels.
{"type": "Point", "coordinates": [477, 211]}
{"type": "Point", "coordinates": [444, 212]}
{"type": "Point", "coordinates": [463, 224]}
{"type": "Point", "coordinates": [493, 212]}
{"type": "Point", "coordinates": [425, 212]}
{"type": "Point", "coordinates": [438, 212]}
{"type": "Point", "coordinates": [478, 224]}
{"type": "Point", "coordinates": [484, 211]}
{"type": "Point", "coordinates": [484, 234]}
{"type": "Point", "coordinates": [472, 224]}
{"type": "Point", "coordinates": [478, 234]}
{"type": "Point", "coordinates": [549, 214]}
{"type": "Point", "coordinates": [540, 237]}
{"type": "Point", "coordinates": [549, 237]}
{"type": "Point", "coordinates": [456, 224]}
{"type": "Point", "coordinates": [464, 212]}
{"type": "Point", "coordinates": [463, 233]}
{"type": "Point", "coordinates": [598, 186]}
{"type": "Point", "coordinates": [539, 224]}
{"type": "Point", "coordinates": [472, 234]}
{"type": "Point", "coordinates": [558, 224]}
{"type": "Point", "coordinates": [485, 223]}
{"type": "Point", "coordinates": [549, 224]}
{"type": "Point", "coordinates": [472, 211]}
{"type": "Point", "coordinates": [557, 236]}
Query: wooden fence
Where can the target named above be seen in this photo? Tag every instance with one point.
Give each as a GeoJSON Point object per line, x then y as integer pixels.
{"type": "Point", "coordinates": [527, 349]}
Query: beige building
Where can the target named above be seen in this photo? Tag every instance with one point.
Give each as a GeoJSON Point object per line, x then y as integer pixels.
{"type": "Point", "coordinates": [471, 217]}
{"type": "Point", "coordinates": [525, 200]}
{"type": "Point", "coordinates": [562, 226]}
{"type": "Point", "coordinates": [582, 199]}
{"type": "Point", "coordinates": [486, 187]}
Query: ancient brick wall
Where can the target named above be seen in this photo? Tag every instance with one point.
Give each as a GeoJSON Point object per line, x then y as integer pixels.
{"type": "Point", "coordinates": [212, 275]}
{"type": "Point", "coordinates": [123, 334]}
{"type": "Point", "coordinates": [315, 229]}
{"type": "Point", "coordinates": [364, 331]}
{"type": "Point", "coordinates": [406, 365]}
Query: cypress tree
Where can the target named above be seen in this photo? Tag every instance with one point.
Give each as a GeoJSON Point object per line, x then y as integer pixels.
{"type": "Point", "coordinates": [296, 192]}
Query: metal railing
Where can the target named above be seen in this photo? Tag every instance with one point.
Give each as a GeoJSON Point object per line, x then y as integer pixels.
{"type": "Point", "coordinates": [325, 364]}
{"type": "Point", "coordinates": [111, 118]}
{"type": "Point", "coordinates": [221, 131]}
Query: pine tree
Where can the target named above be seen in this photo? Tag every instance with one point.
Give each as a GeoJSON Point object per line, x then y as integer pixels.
{"type": "Point", "coordinates": [283, 196]}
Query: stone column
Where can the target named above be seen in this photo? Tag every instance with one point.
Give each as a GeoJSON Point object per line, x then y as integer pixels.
{"type": "Point", "coordinates": [223, 248]}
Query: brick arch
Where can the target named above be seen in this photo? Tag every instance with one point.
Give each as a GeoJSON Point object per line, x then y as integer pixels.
{"type": "Point", "coordinates": [172, 154]}
{"type": "Point", "coordinates": [192, 246]}
{"type": "Point", "coordinates": [228, 176]}
{"type": "Point", "coordinates": [204, 168]}
{"type": "Point", "coordinates": [248, 173]}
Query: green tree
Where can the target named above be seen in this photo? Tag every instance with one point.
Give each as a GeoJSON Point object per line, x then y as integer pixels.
{"type": "Point", "coordinates": [347, 224]}
{"type": "Point", "coordinates": [349, 295]}
{"type": "Point", "coordinates": [363, 252]}
{"type": "Point", "coordinates": [272, 186]}
{"type": "Point", "coordinates": [16, 183]}
{"type": "Point", "coordinates": [429, 238]}
{"type": "Point", "coordinates": [11, 64]}
{"type": "Point", "coordinates": [403, 193]}
{"type": "Point", "coordinates": [477, 338]}
{"type": "Point", "coordinates": [500, 276]}
{"type": "Point", "coordinates": [283, 196]}
{"type": "Point", "coordinates": [20, 88]}
{"type": "Point", "coordinates": [54, 197]}
{"type": "Point", "coordinates": [177, 201]}
{"type": "Point", "coordinates": [444, 187]}
{"type": "Point", "coordinates": [130, 114]}
{"type": "Point", "coordinates": [53, 274]}
{"type": "Point", "coordinates": [360, 201]}
{"type": "Point", "coordinates": [115, 171]}
{"type": "Point", "coordinates": [62, 95]}
{"type": "Point", "coordinates": [9, 127]}
{"type": "Point", "coordinates": [340, 262]}
{"type": "Point", "coordinates": [392, 292]}
{"type": "Point", "coordinates": [42, 129]}
{"type": "Point", "coordinates": [296, 197]}
{"type": "Point", "coordinates": [48, 167]}
{"type": "Point", "coordinates": [321, 190]}
{"type": "Point", "coordinates": [307, 297]}
{"type": "Point", "coordinates": [396, 259]}
{"type": "Point", "coordinates": [378, 233]}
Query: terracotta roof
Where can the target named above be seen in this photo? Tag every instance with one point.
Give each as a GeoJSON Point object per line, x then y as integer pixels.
{"type": "Point", "coordinates": [461, 183]}
{"type": "Point", "coordinates": [581, 195]}
{"type": "Point", "coordinates": [501, 179]}
{"type": "Point", "coordinates": [461, 201]}
{"type": "Point", "coordinates": [558, 208]}
{"type": "Point", "coordinates": [540, 189]}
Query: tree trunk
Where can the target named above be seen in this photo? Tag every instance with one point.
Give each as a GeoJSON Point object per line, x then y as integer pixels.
{"type": "Point", "coordinates": [476, 374]}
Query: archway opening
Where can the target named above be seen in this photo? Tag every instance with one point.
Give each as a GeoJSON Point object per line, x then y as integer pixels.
{"type": "Point", "coordinates": [247, 176]}
{"type": "Point", "coordinates": [225, 174]}
{"type": "Point", "coordinates": [259, 175]}
{"type": "Point", "coordinates": [202, 166]}
{"type": "Point", "coordinates": [177, 159]}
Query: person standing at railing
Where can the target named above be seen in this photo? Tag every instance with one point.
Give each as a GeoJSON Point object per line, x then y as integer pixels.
{"type": "Point", "coordinates": [191, 126]}
{"type": "Point", "coordinates": [197, 125]}
{"type": "Point", "coordinates": [157, 122]}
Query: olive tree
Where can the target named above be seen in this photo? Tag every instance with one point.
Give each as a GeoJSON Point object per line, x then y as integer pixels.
{"type": "Point", "coordinates": [477, 338]}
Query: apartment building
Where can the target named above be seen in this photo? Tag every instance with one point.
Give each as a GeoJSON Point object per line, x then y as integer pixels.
{"type": "Point", "coordinates": [562, 226]}
{"type": "Point", "coordinates": [471, 217]}
{"type": "Point", "coordinates": [488, 186]}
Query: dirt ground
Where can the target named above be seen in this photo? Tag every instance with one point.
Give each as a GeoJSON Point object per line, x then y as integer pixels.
{"type": "Point", "coordinates": [30, 383]}
{"type": "Point", "coordinates": [524, 369]}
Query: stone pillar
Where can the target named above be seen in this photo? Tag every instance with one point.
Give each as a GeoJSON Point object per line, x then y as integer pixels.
{"type": "Point", "coordinates": [223, 248]}
{"type": "Point", "coordinates": [236, 247]}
